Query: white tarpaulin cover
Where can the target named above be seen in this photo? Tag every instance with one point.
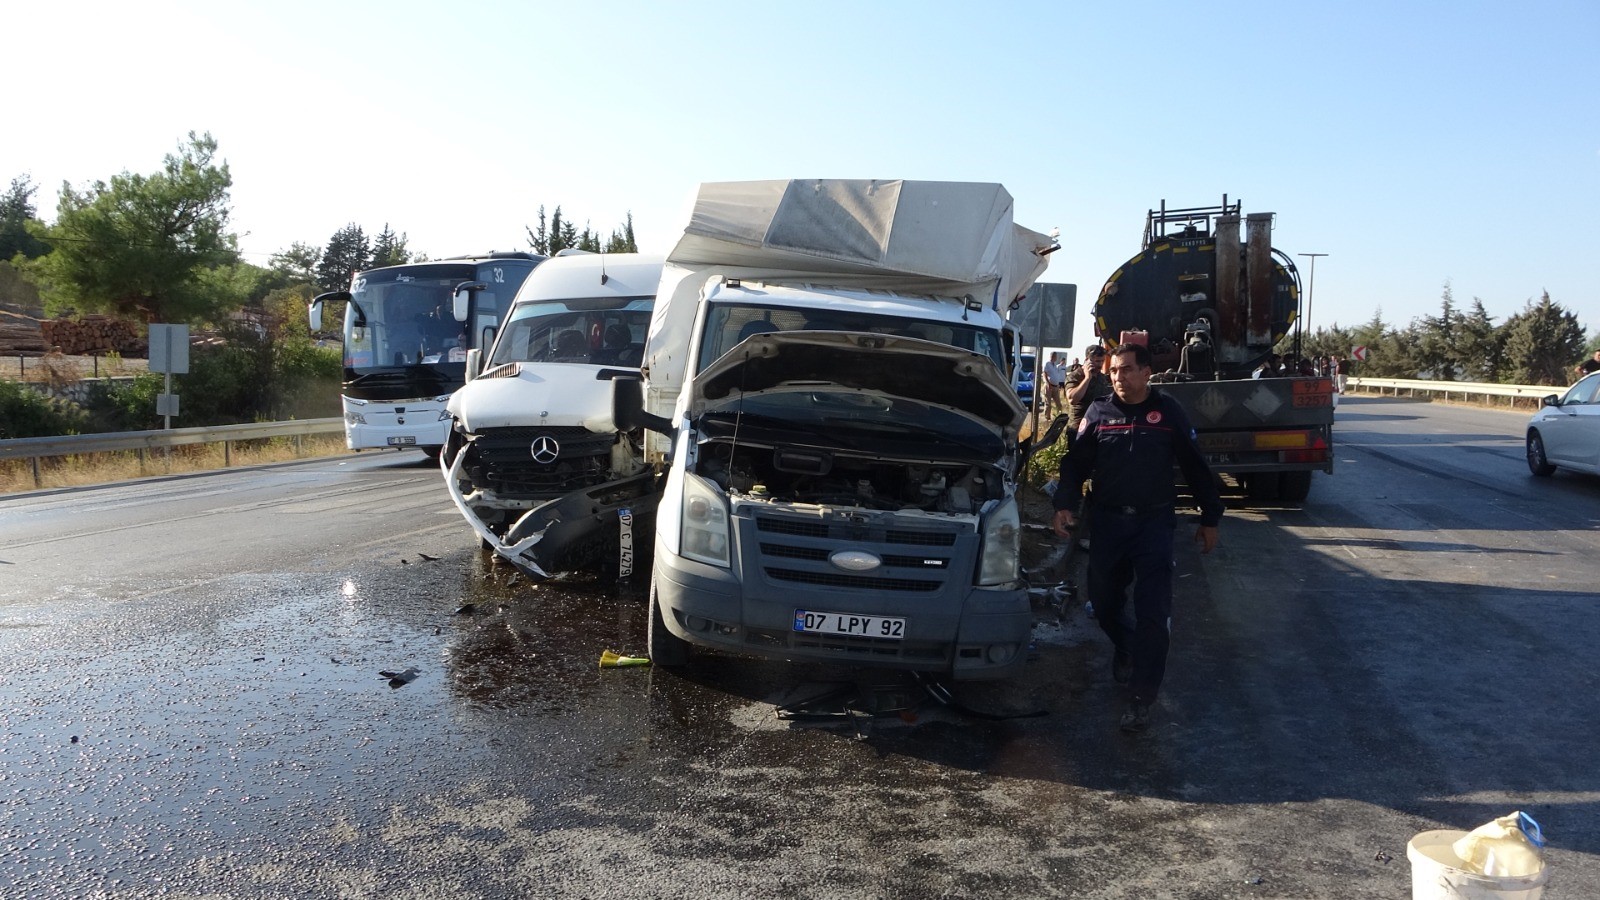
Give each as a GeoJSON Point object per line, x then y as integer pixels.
{"type": "Point", "coordinates": [949, 238]}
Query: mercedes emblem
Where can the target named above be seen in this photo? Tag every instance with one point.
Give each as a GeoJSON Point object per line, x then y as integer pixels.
{"type": "Point", "coordinates": [545, 450]}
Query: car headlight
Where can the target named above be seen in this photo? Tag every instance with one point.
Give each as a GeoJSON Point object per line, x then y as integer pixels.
{"type": "Point", "coordinates": [1002, 546]}
{"type": "Point", "coordinates": [705, 522]}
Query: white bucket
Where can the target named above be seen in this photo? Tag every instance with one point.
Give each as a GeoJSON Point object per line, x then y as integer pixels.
{"type": "Point", "coordinates": [1437, 873]}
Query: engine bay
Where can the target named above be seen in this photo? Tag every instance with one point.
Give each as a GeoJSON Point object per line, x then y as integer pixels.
{"type": "Point", "coordinates": [820, 477]}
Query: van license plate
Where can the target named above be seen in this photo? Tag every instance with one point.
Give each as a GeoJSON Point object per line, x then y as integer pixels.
{"type": "Point", "coordinates": [404, 441]}
{"type": "Point", "coordinates": [845, 623]}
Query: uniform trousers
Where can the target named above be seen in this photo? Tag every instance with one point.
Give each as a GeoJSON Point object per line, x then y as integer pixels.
{"type": "Point", "coordinates": [1134, 548]}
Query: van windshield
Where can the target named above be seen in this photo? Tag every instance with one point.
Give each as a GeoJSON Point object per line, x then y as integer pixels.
{"type": "Point", "coordinates": [601, 330]}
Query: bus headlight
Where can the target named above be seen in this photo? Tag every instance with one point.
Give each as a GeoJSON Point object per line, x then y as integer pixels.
{"type": "Point", "coordinates": [705, 522]}
{"type": "Point", "coordinates": [1002, 546]}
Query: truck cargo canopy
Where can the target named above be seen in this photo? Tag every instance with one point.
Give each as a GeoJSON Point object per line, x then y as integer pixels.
{"type": "Point", "coordinates": [948, 238]}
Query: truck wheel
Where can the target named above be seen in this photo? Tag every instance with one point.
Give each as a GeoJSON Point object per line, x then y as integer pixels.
{"type": "Point", "coordinates": [1294, 486]}
{"type": "Point", "coordinates": [1538, 463]}
{"type": "Point", "coordinates": [666, 649]}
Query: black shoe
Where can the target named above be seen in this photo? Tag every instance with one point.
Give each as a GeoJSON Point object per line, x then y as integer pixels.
{"type": "Point", "coordinates": [1137, 718]}
{"type": "Point", "coordinates": [1122, 666]}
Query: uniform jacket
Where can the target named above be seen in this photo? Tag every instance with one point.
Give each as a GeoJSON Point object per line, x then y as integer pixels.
{"type": "Point", "coordinates": [1129, 451]}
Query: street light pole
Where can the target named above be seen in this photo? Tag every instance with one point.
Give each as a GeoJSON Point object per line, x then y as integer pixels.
{"type": "Point", "coordinates": [1311, 289]}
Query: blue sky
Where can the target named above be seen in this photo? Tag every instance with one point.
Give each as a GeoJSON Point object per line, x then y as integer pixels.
{"type": "Point", "coordinates": [1414, 143]}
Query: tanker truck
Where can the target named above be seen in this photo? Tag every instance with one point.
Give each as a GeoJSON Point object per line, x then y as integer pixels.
{"type": "Point", "coordinates": [1211, 307]}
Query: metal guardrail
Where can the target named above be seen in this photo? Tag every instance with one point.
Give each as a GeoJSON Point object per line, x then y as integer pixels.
{"type": "Point", "coordinates": [1466, 389]}
{"type": "Point", "coordinates": [35, 449]}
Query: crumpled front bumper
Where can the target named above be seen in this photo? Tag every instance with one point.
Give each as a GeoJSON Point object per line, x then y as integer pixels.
{"type": "Point", "coordinates": [565, 532]}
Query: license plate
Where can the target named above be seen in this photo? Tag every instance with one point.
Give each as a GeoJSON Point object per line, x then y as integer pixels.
{"type": "Point", "coordinates": [405, 441]}
{"type": "Point", "coordinates": [1219, 459]}
{"type": "Point", "coordinates": [845, 623]}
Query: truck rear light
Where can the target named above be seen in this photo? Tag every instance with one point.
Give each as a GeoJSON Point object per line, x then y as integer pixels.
{"type": "Point", "coordinates": [1315, 452]}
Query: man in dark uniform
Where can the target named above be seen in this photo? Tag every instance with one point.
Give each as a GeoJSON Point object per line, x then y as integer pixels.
{"type": "Point", "coordinates": [1127, 443]}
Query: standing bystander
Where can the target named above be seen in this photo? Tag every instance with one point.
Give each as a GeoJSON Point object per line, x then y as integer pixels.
{"type": "Point", "coordinates": [1055, 376]}
{"type": "Point", "coordinates": [1127, 443]}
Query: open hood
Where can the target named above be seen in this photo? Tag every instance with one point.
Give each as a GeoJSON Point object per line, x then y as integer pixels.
{"type": "Point", "coordinates": [872, 364]}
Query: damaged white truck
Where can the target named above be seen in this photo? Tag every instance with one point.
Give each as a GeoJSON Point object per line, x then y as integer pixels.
{"type": "Point", "coordinates": [827, 365]}
{"type": "Point", "coordinates": [535, 459]}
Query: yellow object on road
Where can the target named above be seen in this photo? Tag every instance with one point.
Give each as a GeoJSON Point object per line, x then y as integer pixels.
{"type": "Point", "coordinates": [612, 660]}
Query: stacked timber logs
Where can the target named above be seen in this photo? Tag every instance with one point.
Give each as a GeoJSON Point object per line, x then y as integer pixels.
{"type": "Point", "coordinates": [91, 334]}
{"type": "Point", "coordinates": [20, 334]}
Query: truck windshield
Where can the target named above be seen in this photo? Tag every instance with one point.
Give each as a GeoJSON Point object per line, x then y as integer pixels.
{"type": "Point", "coordinates": [601, 330]}
{"type": "Point", "coordinates": [727, 324]}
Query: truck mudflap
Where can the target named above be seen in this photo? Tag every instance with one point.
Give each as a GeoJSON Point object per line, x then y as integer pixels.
{"type": "Point", "coordinates": [562, 533]}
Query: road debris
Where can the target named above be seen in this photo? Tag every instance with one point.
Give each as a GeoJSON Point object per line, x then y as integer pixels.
{"type": "Point", "coordinates": [401, 678]}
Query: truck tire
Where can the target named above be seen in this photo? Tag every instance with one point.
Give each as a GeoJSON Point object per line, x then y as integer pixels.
{"type": "Point", "coordinates": [1293, 487]}
{"type": "Point", "coordinates": [1538, 463]}
{"type": "Point", "coordinates": [666, 649]}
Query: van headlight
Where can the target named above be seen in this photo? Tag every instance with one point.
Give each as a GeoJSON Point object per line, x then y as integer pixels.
{"type": "Point", "coordinates": [1002, 546]}
{"type": "Point", "coordinates": [705, 522]}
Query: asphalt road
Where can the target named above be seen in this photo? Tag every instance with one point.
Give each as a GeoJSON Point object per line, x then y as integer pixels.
{"type": "Point", "coordinates": [192, 705]}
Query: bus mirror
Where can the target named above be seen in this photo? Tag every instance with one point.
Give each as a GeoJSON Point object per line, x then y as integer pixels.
{"type": "Point", "coordinates": [314, 315]}
{"type": "Point", "coordinates": [463, 298]}
{"type": "Point", "coordinates": [474, 362]}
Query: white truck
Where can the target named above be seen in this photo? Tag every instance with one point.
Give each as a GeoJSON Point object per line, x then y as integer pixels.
{"type": "Point", "coordinates": [535, 460]}
{"type": "Point", "coordinates": [827, 365]}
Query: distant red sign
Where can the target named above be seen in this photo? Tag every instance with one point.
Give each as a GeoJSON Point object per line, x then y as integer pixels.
{"type": "Point", "coordinates": [1359, 353]}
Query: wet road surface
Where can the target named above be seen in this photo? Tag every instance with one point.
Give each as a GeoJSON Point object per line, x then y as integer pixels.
{"type": "Point", "coordinates": [193, 706]}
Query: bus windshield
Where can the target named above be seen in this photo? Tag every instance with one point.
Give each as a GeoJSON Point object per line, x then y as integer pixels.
{"type": "Point", "coordinates": [601, 330]}
{"type": "Point", "coordinates": [404, 316]}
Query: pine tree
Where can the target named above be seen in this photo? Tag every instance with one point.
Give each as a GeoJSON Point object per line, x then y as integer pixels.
{"type": "Point", "coordinates": [1477, 345]}
{"type": "Point", "coordinates": [388, 249]}
{"type": "Point", "coordinates": [1437, 353]}
{"type": "Point", "coordinates": [1541, 342]}
{"type": "Point", "coordinates": [347, 254]}
{"type": "Point", "coordinates": [16, 211]}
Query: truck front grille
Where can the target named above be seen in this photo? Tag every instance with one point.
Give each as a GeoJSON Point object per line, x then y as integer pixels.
{"type": "Point", "coordinates": [796, 551]}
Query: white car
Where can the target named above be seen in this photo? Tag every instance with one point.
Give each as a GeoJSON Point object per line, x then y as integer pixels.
{"type": "Point", "coordinates": [1566, 430]}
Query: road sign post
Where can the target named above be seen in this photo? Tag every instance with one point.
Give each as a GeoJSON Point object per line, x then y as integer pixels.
{"type": "Point", "coordinates": [169, 353]}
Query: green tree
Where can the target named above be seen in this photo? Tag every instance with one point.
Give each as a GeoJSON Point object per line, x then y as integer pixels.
{"type": "Point", "coordinates": [388, 249]}
{"type": "Point", "coordinates": [557, 233]}
{"type": "Point", "coordinates": [1478, 348]}
{"type": "Point", "coordinates": [139, 246]}
{"type": "Point", "coordinates": [16, 211]}
{"type": "Point", "coordinates": [1437, 353]}
{"type": "Point", "coordinates": [297, 264]}
{"type": "Point", "coordinates": [622, 240]}
{"type": "Point", "coordinates": [1541, 343]}
{"type": "Point", "coordinates": [348, 253]}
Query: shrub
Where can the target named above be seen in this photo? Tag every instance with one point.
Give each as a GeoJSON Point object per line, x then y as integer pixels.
{"type": "Point", "coordinates": [25, 412]}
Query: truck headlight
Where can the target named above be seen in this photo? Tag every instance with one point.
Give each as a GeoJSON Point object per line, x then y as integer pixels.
{"type": "Point", "coordinates": [1002, 546]}
{"type": "Point", "coordinates": [705, 522]}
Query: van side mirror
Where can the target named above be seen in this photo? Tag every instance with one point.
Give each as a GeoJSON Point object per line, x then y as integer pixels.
{"type": "Point", "coordinates": [474, 363]}
{"type": "Point", "coordinates": [627, 407]}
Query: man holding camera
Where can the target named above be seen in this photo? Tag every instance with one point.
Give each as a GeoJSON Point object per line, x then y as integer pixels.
{"type": "Point", "coordinates": [1084, 383]}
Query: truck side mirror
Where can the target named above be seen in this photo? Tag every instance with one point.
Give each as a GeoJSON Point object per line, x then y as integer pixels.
{"type": "Point", "coordinates": [627, 407]}
{"type": "Point", "coordinates": [463, 298]}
